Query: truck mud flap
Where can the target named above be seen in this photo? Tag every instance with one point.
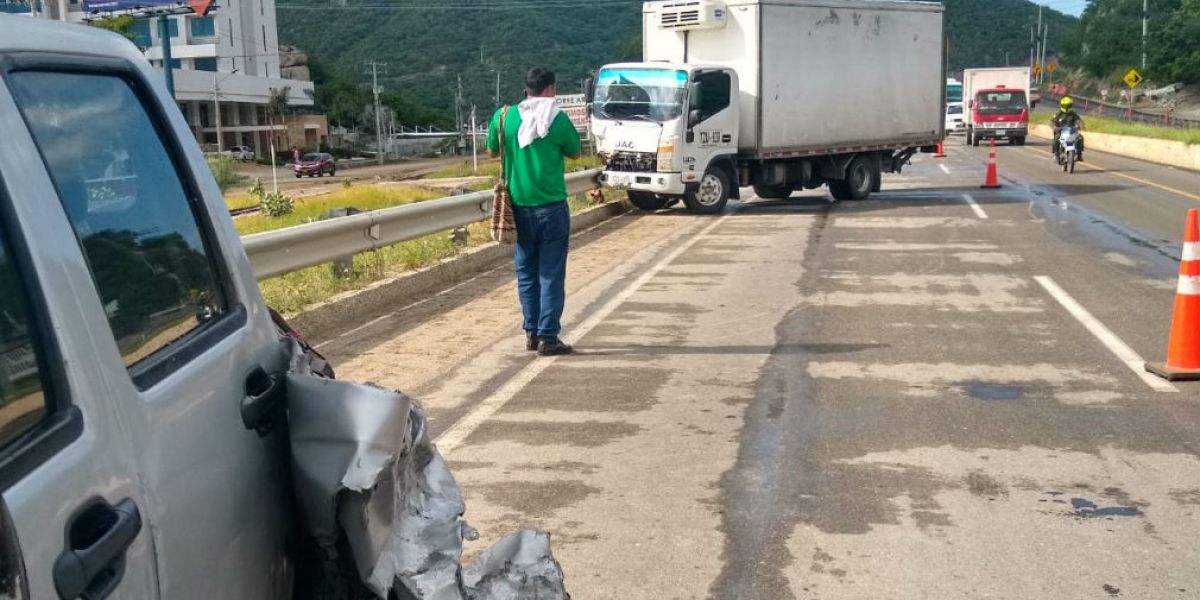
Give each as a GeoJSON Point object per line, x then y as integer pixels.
{"type": "Point", "coordinates": [366, 476]}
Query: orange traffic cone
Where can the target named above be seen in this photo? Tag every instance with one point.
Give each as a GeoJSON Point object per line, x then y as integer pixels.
{"type": "Point", "coordinates": [993, 180]}
{"type": "Point", "coordinates": [941, 151]}
{"type": "Point", "coordinates": [1183, 351]}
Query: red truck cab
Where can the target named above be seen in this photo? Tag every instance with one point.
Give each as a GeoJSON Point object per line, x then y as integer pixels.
{"type": "Point", "coordinates": [999, 113]}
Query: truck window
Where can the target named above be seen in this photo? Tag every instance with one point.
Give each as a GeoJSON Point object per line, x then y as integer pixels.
{"type": "Point", "coordinates": [23, 403]}
{"type": "Point", "coordinates": [714, 95]}
{"type": "Point", "coordinates": [1001, 103]}
{"type": "Point", "coordinates": [150, 261]}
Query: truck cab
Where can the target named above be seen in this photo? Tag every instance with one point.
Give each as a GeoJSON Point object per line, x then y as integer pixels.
{"type": "Point", "coordinates": [999, 113]}
{"type": "Point", "coordinates": [667, 131]}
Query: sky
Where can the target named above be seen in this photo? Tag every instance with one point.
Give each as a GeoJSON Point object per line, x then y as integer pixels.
{"type": "Point", "coordinates": [1070, 7]}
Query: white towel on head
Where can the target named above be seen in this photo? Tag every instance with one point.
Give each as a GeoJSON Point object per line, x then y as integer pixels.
{"type": "Point", "coordinates": [537, 114]}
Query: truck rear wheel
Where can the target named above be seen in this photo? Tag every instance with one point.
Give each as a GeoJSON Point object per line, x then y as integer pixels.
{"type": "Point", "coordinates": [861, 178]}
{"type": "Point", "coordinates": [647, 200]}
{"type": "Point", "coordinates": [773, 192]}
{"type": "Point", "coordinates": [711, 196]}
{"type": "Point", "coordinates": [974, 140]}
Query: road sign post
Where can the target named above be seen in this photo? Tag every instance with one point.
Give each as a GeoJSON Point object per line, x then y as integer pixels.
{"type": "Point", "coordinates": [1132, 79]}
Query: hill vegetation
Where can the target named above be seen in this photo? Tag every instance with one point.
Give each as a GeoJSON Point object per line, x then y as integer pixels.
{"type": "Point", "coordinates": [428, 44]}
{"type": "Point", "coordinates": [1108, 41]}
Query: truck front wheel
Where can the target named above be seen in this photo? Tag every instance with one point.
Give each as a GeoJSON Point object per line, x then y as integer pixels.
{"type": "Point", "coordinates": [647, 200]}
{"type": "Point", "coordinates": [773, 192]}
{"type": "Point", "coordinates": [711, 196]}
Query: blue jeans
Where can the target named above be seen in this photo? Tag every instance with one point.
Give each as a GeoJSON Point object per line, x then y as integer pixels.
{"type": "Point", "coordinates": [543, 234]}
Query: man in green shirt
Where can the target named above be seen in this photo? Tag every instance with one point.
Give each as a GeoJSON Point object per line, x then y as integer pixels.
{"type": "Point", "coordinates": [538, 137]}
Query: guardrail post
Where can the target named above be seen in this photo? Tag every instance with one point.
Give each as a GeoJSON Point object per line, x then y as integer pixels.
{"type": "Point", "coordinates": [342, 267]}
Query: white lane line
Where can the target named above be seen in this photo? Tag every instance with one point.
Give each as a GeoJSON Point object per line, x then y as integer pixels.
{"type": "Point", "coordinates": [944, 168]}
{"type": "Point", "coordinates": [458, 432]}
{"type": "Point", "coordinates": [472, 279]}
{"type": "Point", "coordinates": [1110, 340]}
{"type": "Point", "coordinates": [975, 206]}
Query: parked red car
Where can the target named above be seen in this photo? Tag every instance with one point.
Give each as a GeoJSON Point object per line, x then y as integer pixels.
{"type": "Point", "coordinates": [315, 164]}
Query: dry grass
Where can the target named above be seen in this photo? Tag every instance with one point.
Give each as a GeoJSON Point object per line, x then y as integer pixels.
{"type": "Point", "coordinates": [365, 198]}
{"type": "Point", "coordinates": [1113, 126]}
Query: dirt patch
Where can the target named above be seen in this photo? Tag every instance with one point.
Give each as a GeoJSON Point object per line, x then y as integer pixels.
{"type": "Point", "coordinates": [538, 499]}
{"type": "Point", "coordinates": [618, 389]}
{"type": "Point", "coordinates": [589, 434]}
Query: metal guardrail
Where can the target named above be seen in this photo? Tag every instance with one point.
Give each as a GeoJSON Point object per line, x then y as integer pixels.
{"type": "Point", "coordinates": [1091, 106]}
{"type": "Point", "coordinates": [285, 250]}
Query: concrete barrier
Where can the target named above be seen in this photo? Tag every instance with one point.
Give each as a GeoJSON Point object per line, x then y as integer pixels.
{"type": "Point", "coordinates": [1163, 152]}
{"type": "Point", "coordinates": [327, 319]}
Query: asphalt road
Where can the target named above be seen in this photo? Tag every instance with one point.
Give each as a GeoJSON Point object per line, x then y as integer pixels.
{"type": "Point", "coordinates": [935, 393]}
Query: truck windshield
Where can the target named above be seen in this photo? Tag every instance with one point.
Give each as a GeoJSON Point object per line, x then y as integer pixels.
{"type": "Point", "coordinates": [1001, 103]}
{"type": "Point", "coordinates": [646, 94]}
{"type": "Point", "coordinates": [954, 92]}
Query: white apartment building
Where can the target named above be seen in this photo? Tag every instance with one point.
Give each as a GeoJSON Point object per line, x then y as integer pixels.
{"type": "Point", "coordinates": [228, 59]}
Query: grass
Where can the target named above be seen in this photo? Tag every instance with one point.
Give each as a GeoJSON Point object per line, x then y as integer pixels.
{"type": "Point", "coordinates": [237, 201]}
{"type": "Point", "coordinates": [1098, 124]}
{"type": "Point", "coordinates": [365, 198]}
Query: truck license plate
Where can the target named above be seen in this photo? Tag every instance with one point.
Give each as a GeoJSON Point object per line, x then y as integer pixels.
{"type": "Point", "coordinates": [620, 181]}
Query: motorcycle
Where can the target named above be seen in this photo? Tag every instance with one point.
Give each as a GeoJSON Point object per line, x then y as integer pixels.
{"type": "Point", "coordinates": [1068, 148]}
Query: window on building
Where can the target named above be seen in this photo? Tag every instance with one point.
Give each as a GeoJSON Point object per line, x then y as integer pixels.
{"type": "Point", "coordinates": [173, 27]}
{"type": "Point", "coordinates": [205, 64]}
{"type": "Point", "coordinates": [203, 27]}
{"type": "Point", "coordinates": [150, 259]}
{"type": "Point", "coordinates": [141, 33]}
{"type": "Point", "coordinates": [175, 63]}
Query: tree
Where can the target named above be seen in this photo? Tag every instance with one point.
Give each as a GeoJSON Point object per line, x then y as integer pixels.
{"type": "Point", "coordinates": [122, 24]}
{"type": "Point", "coordinates": [1173, 50]}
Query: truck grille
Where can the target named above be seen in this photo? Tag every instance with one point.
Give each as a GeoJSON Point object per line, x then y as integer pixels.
{"type": "Point", "coordinates": [633, 162]}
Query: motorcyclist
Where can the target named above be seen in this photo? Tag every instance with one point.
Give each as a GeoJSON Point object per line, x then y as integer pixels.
{"type": "Point", "coordinates": [1067, 117]}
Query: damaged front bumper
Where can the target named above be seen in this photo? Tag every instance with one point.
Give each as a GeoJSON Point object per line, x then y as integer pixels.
{"type": "Point", "coordinates": [367, 478]}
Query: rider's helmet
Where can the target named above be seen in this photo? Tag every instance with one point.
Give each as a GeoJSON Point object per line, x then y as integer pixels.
{"type": "Point", "coordinates": [1066, 104]}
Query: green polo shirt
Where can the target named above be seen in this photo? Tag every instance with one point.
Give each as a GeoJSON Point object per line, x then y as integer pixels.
{"type": "Point", "coordinates": [535, 173]}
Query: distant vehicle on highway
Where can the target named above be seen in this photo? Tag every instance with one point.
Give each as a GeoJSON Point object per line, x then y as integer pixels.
{"type": "Point", "coordinates": [998, 101]}
{"type": "Point", "coordinates": [243, 153]}
{"type": "Point", "coordinates": [315, 164]}
{"type": "Point", "coordinates": [954, 107]}
{"type": "Point", "coordinates": [748, 113]}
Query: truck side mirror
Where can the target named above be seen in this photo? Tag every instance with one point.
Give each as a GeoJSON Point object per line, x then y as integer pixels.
{"type": "Point", "coordinates": [694, 117]}
{"type": "Point", "coordinates": [589, 92]}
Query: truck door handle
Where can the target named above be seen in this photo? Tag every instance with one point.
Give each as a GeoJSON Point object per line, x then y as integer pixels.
{"type": "Point", "coordinates": [264, 398]}
{"type": "Point", "coordinates": [93, 563]}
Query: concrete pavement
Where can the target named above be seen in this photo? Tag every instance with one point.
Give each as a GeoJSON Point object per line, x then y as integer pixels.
{"type": "Point", "coordinates": [929, 394]}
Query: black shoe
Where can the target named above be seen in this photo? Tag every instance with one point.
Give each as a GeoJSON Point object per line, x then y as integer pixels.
{"type": "Point", "coordinates": [1080, 158]}
{"type": "Point", "coordinates": [552, 346]}
{"type": "Point", "coordinates": [531, 341]}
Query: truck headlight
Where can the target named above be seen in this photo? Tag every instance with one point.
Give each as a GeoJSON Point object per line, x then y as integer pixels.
{"type": "Point", "coordinates": [666, 158]}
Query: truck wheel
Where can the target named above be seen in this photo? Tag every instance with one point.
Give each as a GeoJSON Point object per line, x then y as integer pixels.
{"type": "Point", "coordinates": [1020, 141]}
{"type": "Point", "coordinates": [975, 140]}
{"type": "Point", "coordinates": [647, 200]}
{"type": "Point", "coordinates": [860, 180]}
{"type": "Point", "coordinates": [773, 192]}
{"type": "Point", "coordinates": [711, 196]}
{"type": "Point", "coordinates": [967, 140]}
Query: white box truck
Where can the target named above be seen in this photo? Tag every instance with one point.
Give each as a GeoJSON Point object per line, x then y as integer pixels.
{"type": "Point", "coordinates": [776, 94]}
{"type": "Point", "coordinates": [998, 104]}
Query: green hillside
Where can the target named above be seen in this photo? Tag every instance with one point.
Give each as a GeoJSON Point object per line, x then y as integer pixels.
{"type": "Point", "coordinates": [428, 43]}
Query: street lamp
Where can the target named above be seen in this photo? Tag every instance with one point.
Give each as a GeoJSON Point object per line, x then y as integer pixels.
{"type": "Point", "coordinates": [217, 103]}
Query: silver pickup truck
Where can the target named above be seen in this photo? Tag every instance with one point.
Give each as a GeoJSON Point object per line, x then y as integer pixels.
{"type": "Point", "coordinates": [159, 437]}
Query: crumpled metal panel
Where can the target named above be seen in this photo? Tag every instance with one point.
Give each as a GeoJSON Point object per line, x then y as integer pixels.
{"type": "Point", "coordinates": [366, 469]}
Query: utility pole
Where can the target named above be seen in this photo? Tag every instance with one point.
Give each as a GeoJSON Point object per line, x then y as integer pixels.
{"type": "Point", "coordinates": [474, 142]}
{"type": "Point", "coordinates": [1145, 29]}
{"type": "Point", "coordinates": [164, 36]}
{"type": "Point", "coordinates": [498, 72]}
{"type": "Point", "coordinates": [217, 104]}
{"type": "Point", "coordinates": [1037, 46]}
{"type": "Point", "coordinates": [1032, 46]}
{"type": "Point", "coordinates": [375, 66]}
{"type": "Point", "coordinates": [1045, 42]}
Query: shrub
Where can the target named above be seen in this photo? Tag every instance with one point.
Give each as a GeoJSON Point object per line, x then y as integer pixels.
{"type": "Point", "coordinates": [277, 204]}
{"type": "Point", "coordinates": [224, 170]}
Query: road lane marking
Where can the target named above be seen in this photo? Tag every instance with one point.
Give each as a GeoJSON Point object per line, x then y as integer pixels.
{"type": "Point", "coordinates": [454, 436]}
{"type": "Point", "coordinates": [944, 169]}
{"type": "Point", "coordinates": [975, 206]}
{"type": "Point", "coordinates": [1110, 340]}
{"type": "Point", "coordinates": [1096, 167]}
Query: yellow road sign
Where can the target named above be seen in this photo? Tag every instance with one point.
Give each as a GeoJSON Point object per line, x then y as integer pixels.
{"type": "Point", "coordinates": [1050, 68]}
{"type": "Point", "coordinates": [1133, 78]}
{"type": "Point", "coordinates": [1037, 69]}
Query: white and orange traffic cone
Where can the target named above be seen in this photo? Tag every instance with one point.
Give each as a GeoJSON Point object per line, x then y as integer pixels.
{"type": "Point", "coordinates": [941, 150]}
{"type": "Point", "coordinates": [1183, 350]}
{"type": "Point", "coordinates": [992, 180]}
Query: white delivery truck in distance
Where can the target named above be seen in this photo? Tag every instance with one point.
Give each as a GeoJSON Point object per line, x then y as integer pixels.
{"type": "Point", "coordinates": [776, 94]}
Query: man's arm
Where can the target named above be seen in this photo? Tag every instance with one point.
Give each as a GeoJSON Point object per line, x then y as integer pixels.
{"type": "Point", "coordinates": [493, 137]}
{"type": "Point", "coordinates": [567, 136]}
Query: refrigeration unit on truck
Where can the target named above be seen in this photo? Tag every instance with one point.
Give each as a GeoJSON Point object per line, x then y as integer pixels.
{"type": "Point", "coordinates": [780, 95]}
{"type": "Point", "coordinates": [997, 103]}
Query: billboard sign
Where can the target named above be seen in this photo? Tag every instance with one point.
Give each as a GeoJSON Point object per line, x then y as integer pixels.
{"type": "Point", "coordinates": [575, 105]}
{"type": "Point", "coordinates": [147, 6]}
